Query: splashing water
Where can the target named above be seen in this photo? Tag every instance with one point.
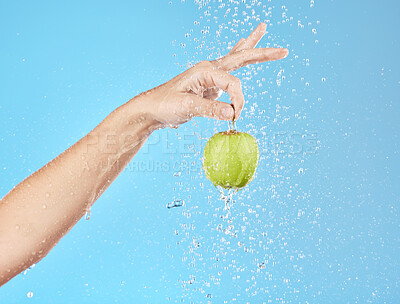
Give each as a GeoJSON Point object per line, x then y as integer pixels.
{"type": "Point", "coordinates": [228, 199]}
{"type": "Point", "coordinates": [31, 267]}
{"type": "Point", "coordinates": [175, 204]}
{"type": "Point", "coordinates": [245, 231]}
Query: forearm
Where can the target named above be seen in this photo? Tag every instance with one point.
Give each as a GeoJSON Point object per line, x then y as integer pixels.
{"type": "Point", "coordinates": [39, 211]}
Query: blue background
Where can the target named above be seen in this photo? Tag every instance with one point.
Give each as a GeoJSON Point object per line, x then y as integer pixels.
{"type": "Point", "coordinates": [320, 222]}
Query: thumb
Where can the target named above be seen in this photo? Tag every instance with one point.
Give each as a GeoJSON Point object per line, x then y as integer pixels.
{"type": "Point", "coordinates": [204, 107]}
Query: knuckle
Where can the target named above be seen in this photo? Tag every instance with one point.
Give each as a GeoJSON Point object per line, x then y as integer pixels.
{"type": "Point", "coordinates": [214, 109]}
{"type": "Point", "coordinates": [204, 64]}
{"type": "Point", "coordinates": [237, 82]}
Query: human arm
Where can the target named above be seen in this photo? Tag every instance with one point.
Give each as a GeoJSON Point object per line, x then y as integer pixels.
{"type": "Point", "coordinates": [40, 210]}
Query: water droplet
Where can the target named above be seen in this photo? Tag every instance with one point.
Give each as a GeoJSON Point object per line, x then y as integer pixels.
{"type": "Point", "coordinates": [261, 265]}
{"type": "Point", "coordinates": [26, 270]}
{"type": "Point", "coordinates": [44, 206]}
{"type": "Point", "coordinates": [175, 203]}
{"type": "Point", "coordinates": [87, 215]}
{"type": "Point", "coordinates": [301, 171]}
{"type": "Point", "coordinates": [29, 294]}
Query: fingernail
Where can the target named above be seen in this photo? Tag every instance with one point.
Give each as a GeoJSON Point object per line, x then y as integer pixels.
{"type": "Point", "coordinates": [286, 52]}
{"type": "Point", "coordinates": [227, 112]}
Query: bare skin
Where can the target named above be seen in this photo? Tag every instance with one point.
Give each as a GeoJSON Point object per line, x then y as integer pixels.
{"type": "Point", "coordinates": [40, 210]}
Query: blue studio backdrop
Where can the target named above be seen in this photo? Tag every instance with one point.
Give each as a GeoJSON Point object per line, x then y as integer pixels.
{"type": "Point", "coordinates": [320, 221]}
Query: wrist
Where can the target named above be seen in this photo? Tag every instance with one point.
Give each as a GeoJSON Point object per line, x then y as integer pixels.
{"type": "Point", "coordinates": [126, 127]}
{"type": "Point", "coordinates": [140, 110]}
{"type": "Point", "coordinates": [137, 115]}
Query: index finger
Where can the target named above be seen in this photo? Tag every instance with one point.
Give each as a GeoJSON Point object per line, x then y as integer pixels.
{"type": "Point", "coordinates": [242, 58]}
{"type": "Point", "coordinates": [254, 38]}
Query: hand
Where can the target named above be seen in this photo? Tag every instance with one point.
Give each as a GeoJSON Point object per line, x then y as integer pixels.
{"type": "Point", "coordinates": [194, 92]}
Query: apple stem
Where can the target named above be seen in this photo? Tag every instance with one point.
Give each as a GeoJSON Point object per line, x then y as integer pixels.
{"type": "Point", "coordinates": [233, 125]}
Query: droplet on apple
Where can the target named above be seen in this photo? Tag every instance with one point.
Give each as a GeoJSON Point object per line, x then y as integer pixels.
{"type": "Point", "coordinates": [230, 159]}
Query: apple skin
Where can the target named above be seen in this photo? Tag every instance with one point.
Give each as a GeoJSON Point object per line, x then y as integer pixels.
{"type": "Point", "coordinates": [230, 159]}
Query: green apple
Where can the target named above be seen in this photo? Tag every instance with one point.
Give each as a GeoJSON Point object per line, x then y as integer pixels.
{"type": "Point", "coordinates": [230, 159]}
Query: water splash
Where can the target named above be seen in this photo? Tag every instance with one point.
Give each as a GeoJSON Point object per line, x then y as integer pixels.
{"type": "Point", "coordinates": [87, 215]}
{"type": "Point", "coordinates": [261, 265]}
{"type": "Point", "coordinates": [26, 270]}
{"type": "Point", "coordinates": [227, 197]}
{"type": "Point", "coordinates": [178, 173]}
{"type": "Point", "coordinates": [247, 229]}
{"type": "Point", "coordinates": [175, 204]}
